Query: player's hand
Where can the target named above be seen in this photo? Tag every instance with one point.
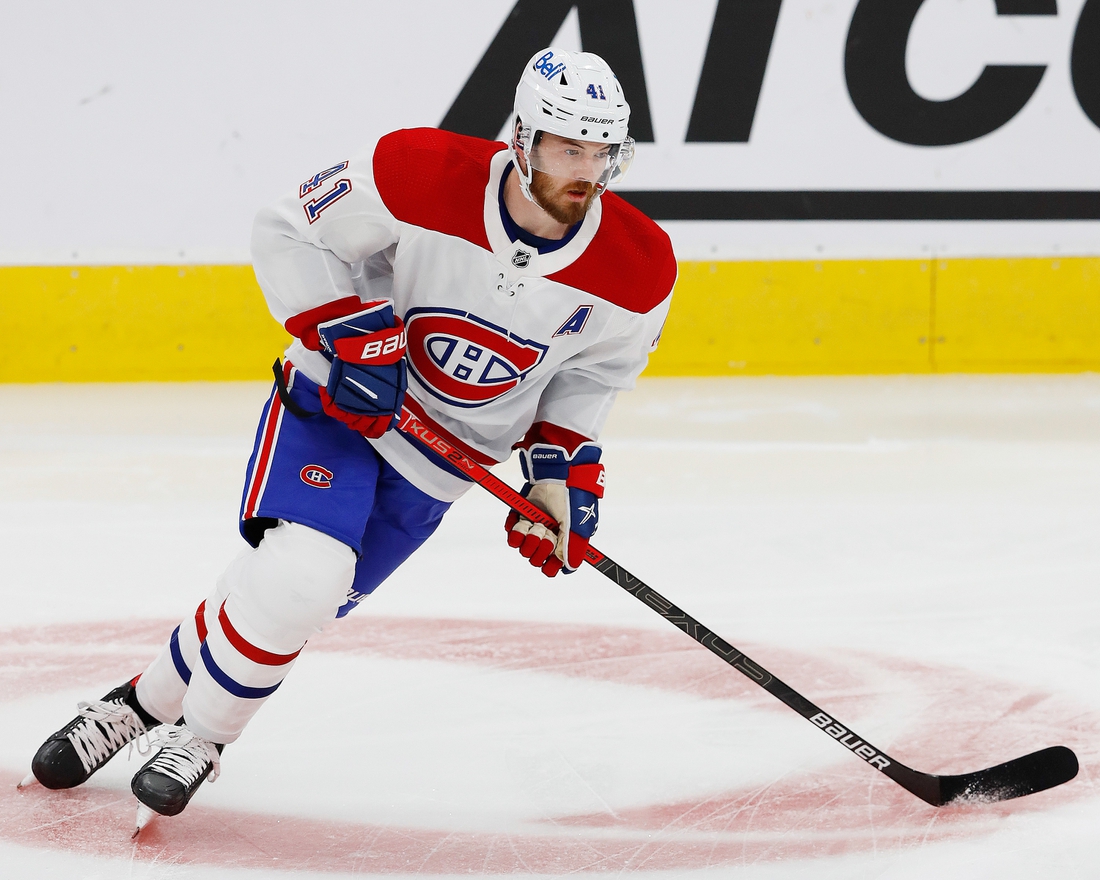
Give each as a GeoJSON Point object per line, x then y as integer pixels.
{"type": "Point", "coordinates": [366, 384]}
{"type": "Point", "coordinates": [366, 399]}
{"type": "Point", "coordinates": [568, 488]}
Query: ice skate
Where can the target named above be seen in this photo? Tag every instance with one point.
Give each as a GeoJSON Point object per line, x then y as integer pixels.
{"type": "Point", "coordinates": [168, 780]}
{"type": "Point", "coordinates": [91, 739]}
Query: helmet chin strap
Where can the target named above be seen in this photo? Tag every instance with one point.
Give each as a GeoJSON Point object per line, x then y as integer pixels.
{"type": "Point", "coordinates": [525, 180]}
{"type": "Point", "coordinates": [524, 177]}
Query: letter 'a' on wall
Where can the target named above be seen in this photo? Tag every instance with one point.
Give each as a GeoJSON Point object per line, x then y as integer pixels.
{"type": "Point", "coordinates": [609, 28]}
{"type": "Point", "coordinates": [874, 65]}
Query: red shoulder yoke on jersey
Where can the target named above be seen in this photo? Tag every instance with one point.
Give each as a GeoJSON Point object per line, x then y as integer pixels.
{"type": "Point", "coordinates": [629, 263]}
{"type": "Point", "coordinates": [436, 180]}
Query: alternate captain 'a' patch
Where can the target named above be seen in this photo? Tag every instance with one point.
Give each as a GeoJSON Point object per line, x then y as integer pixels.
{"type": "Point", "coordinates": [464, 360]}
{"type": "Point", "coordinates": [575, 324]}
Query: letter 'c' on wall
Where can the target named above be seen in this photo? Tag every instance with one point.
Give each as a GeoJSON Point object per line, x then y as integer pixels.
{"type": "Point", "coordinates": [1085, 61]}
{"type": "Point", "coordinates": [874, 66]}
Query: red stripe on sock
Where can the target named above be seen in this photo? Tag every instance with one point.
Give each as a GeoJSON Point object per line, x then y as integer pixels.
{"type": "Point", "coordinates": [200, 621]}
{"type": "Point", "coordinates": [247, 649]}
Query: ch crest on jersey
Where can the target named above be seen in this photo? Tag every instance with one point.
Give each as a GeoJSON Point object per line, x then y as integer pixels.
{"type": "Point", "coordinates": [464, 360]}
{"type": "Point", "coordinates": [575, 323]}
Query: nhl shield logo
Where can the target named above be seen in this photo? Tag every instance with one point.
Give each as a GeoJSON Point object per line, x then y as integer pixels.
{"type": "Point", "coordinates": [521, 259]}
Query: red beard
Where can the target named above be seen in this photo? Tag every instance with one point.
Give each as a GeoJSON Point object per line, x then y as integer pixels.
{"type": "Point", "coordinates": [555, 199]}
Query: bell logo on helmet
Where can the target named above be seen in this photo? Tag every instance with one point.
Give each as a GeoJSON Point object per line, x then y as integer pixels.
{"type": "Point", "coordinates": [544, 66]}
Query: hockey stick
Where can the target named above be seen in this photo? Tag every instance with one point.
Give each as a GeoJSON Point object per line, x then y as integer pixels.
{"type": "Point", "coordinates": [1021, 776]}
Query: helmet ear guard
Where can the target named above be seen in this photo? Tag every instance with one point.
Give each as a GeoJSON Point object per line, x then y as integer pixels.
{"type": "Point", "coordinates": [576, 96]}
{"type": "Point", "coordinates": [520, 145]}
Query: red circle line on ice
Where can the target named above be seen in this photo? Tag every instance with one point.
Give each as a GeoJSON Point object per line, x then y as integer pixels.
{"type": "Point", "coordinates": [844, 808]}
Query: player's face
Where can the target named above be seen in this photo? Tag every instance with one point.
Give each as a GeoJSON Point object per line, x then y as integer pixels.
{"type": "Point", "coordinates": [567, 175]}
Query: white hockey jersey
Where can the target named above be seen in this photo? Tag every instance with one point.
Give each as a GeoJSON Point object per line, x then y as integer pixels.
{"type": "Point", "coordinates": [500, 336]}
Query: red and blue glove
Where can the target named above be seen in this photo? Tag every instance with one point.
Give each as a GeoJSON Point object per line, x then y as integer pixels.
{"type": "Point", "coordinates": [569, 488]}
{"type": "Point", "coordinates": [367, 381]}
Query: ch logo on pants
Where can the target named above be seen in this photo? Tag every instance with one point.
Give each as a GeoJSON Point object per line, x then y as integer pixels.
{"type": "Point", "coordinates": [316, 476]}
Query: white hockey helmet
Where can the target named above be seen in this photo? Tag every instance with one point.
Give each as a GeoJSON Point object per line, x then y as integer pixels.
{"type": "Point", "coordinates": [573, 95]}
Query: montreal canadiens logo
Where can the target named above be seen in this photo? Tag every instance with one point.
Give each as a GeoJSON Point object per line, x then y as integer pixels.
{"type": "Point", "coordinates": [316, 476]}
{"type": "Point", "coordinates": [466, 361]}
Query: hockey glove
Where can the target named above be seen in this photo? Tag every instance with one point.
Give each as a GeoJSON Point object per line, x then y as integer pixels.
{"type": "Point", "coordinates": [367, 381]}
{"type": "Point", "coordinates": [569, 489]}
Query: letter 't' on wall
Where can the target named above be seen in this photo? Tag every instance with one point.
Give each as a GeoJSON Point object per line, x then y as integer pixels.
{"type": "Point", "coordinates": [608, 28]}
{"type": "Point", "coordinates": [874, 66]}
{"type": "Point", "coordinates": [733, 71]}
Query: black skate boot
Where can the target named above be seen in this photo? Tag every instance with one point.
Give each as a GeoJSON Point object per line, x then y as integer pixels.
{"type": "Point", "coordinates": [91, 739]}
{"type": "Point", "coordinates": [167, 781]}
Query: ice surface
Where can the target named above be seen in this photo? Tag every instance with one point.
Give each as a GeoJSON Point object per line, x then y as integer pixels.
{"type": "Point", "coordinates": [918, 555]}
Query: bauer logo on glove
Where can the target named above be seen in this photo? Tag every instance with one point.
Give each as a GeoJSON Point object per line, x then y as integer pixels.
{"type": "Point", "coordinates": [367, 381]}
{"type": "Point", "coordinates": [569, 488]}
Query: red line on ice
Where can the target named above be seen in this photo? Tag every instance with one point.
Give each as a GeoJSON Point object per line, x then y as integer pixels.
{"type": "Point", "coordinates": [807, 814]}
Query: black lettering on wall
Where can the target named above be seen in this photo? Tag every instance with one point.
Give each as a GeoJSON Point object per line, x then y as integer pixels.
{"type": "Point", "coordinates": [874, 205]}
{"type": "Point", "coordinates": [733, 71]}
{"type": "Point", "coordinates": [1085, 61]}
{"type": "Point", "coordinates": [608, 27]}
{"type": "Point", "coordinates": [874, 66]}
{"type": "Point", "coordinates": [1027, 7]}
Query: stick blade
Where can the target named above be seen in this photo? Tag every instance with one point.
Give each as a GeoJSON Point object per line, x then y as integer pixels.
{"type": "Point", "coordinates": [1038, 771]}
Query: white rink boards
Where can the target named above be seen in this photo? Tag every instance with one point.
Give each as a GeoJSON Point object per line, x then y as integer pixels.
{"type": "Point", "coordinates": [918, 555]}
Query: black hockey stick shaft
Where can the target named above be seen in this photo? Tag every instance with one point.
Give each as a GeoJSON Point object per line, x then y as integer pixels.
{"type": "Point", "coordinates": [1031, 773]}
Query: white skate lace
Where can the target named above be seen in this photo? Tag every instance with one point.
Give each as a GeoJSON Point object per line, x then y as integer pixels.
{"type": "Point", "coordinates": [184, 754]}
{"type": "Point", "coordinates": [107, 727]}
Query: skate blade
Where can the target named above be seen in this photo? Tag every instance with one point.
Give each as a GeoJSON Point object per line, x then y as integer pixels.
{"type": "Point", "coordinates": [30, 780]}
{"type": "Point", "coordinates": [144, 817]}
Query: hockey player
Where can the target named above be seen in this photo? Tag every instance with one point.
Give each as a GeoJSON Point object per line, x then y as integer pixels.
{"type": "Point", "coordinates": [493, 291]}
